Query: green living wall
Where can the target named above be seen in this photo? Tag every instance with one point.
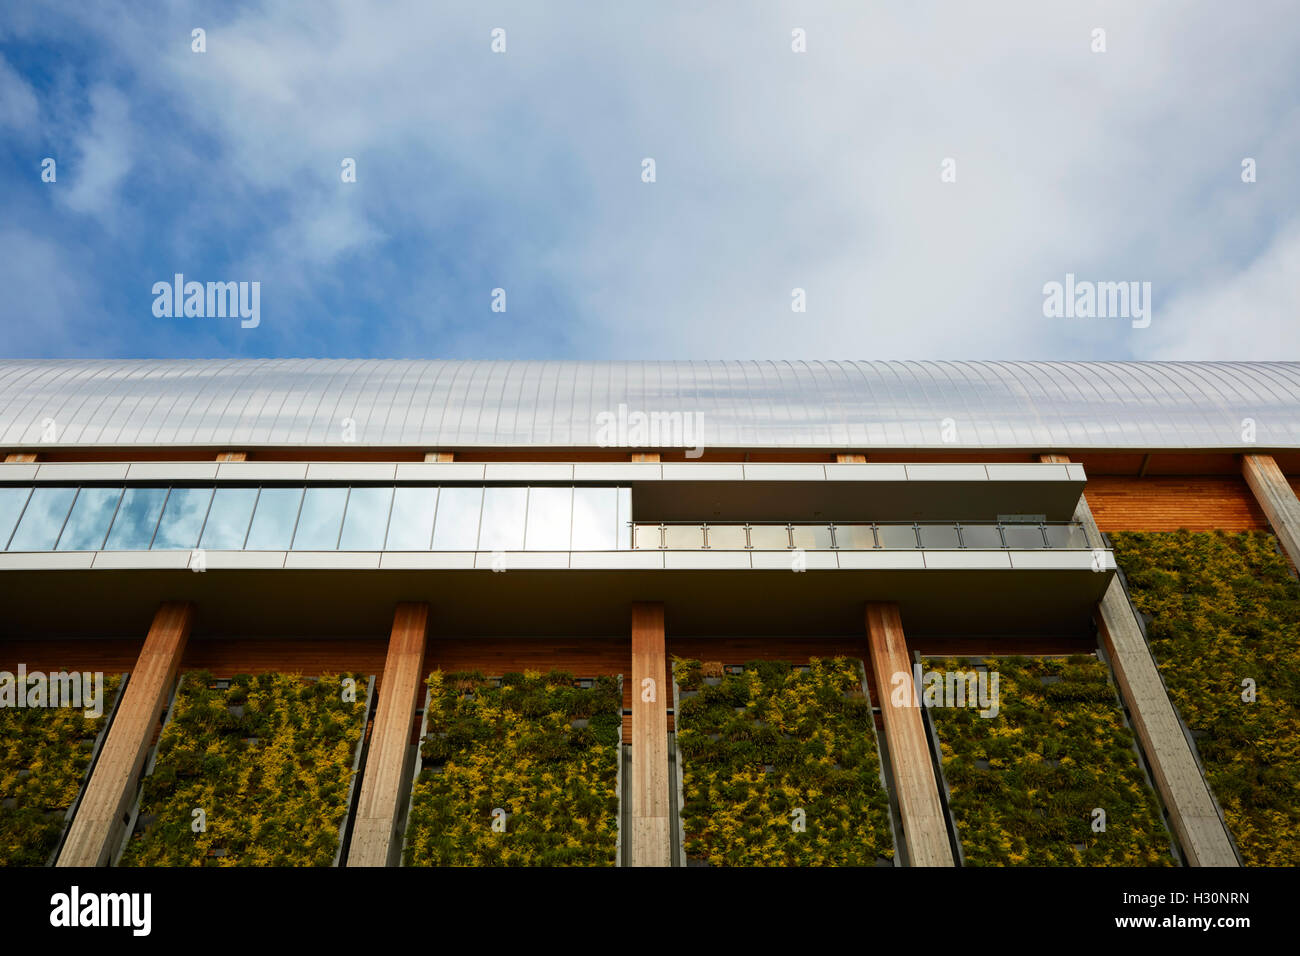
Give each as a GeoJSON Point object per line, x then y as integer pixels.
{"type": "Point", "coordinates": [1024, 784]}
{"type": "Point", "coordinates": [535, 747]}
{"type": "Point", "coordinates": [1223, 609]}
{"type": "Point", "coordinates": [780, 766]}
{"type": "Point", "coordinates": [44, 753]}
{"type": "Point", "coordinates": [269, 762]}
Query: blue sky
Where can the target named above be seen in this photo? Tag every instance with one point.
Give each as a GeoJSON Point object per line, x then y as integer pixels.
{"type": "Point", "coordinates": [775, 170]}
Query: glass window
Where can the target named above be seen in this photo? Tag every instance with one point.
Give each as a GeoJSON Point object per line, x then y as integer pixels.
{"type": "Point", "coordinates": [595, 519]}
{"type": "Point", "coordinates": [1066, 536]}
{"type": "Point", "coordinates": [896, 536]}
{"type": "Point", "coordinates": [812, 537]}
{"type": "Point", "coordinates": [939, 536]}
{"type": "Point", "coordinates": [458, 517]}
{"type": "Point", "coordinates": [228, 519]}
{"type": "Point", "coordinates": [320, 519]}
{"type": "Point", "coordinates": [647, 536]}
{"type": "Point", "coordinates": [855, 537]}
{"type": "Point", "coordinates": [769, 537]}
{"type": "Point", "coordinates": [982, 536]}
{"type": "Point", "coordinates": [411, 526]}
{"type": "Point", "coordinates": [367, 519]}
{"type": "Point", "coordinates": [11, 506]}
{"type": "Point", "coordinates": [273, 521]}
{"type": "Point", "coordinates": [550, 514]}
{"type": "Point", "coordinates": [1023, 535]}
{"type": "Point", "coordinates": [137, 517]}
{"type": "Point", "coordinates": [684, 537]}
{"type": "Point", "coordinates": [503, 519]}
{"type": "Point", "coordinates": [43, 519]}
{"type": "Point", "coordinates": [727, 537]}
{"type": "Point", "coordinates": [92, 513]}
{"type": "Point", "coordinates": [182, 518]}
{"type": "Point", "coordinates": [624, 518]}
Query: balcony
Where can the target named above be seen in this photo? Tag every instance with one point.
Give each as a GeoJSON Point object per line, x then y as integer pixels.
{"type": "Point", "coordinates": [862, 536]}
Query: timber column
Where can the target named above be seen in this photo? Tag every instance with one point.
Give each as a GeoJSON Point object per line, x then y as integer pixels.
{"type": "Point", "coordinates": [375, 840]}
{"type": "Point", "coordinates": [650, 834]}
{"type": "Point", "coordinates": [925, 829]}
{"type": "Point", "coordinates": [96, 830]}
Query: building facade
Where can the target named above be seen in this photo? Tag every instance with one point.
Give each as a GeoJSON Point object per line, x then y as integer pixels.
{"type": "Point", "coordinates": [400, 518]}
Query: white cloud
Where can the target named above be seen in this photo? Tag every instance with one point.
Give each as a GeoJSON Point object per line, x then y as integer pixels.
{"type": "Point", "coordinates": [776, 170]}
{"type": "Point", "coordinates": [1248, 315]}
{"type": "Point", "coordinates": [102, 155]}
{"type": "Point", "coordinates": [18, 105]}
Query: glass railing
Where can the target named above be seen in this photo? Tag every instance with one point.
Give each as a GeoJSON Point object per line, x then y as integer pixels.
{"type": "Point", "coordinates": [862, 536]}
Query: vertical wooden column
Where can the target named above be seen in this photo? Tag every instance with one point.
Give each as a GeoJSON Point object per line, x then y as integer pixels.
{"type": "Point", "coordinates": [651, 845]}
{"type": "Point", "coordinates": [1178, 778]}
{"type": "Point", "coordinates": [375, 840]}
{"type": "Point", "coordinates": [96, 830]}
{"type": "Point", "coordinates": [439, 456]}
{"type": "Point", "coordinates": [850, 459]}
{"type": "Point", "coordinates": [1276, 500]}
{"type": "Point", "coordinates": [924, 826]}
{"type": "Point", "coordinates": [232, 456]}
{"type": "Point", "coordinates": [645, 456]}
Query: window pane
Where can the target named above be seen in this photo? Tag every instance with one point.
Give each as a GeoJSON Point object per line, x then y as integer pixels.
{"type": "Point", "coordinates": [896, 536]}
{"type": "Point", "coordinates": [812, 537]}
{"type": "Point", "coordinates": [228, 519]}
{"type": "Point", "coordinates": [320, 520]}
{"type": "Point", "coordinates": [91, 515]}
{"type": "Point", "coordinates": [11, 506]}
{"type": "Point", "coordinates": [273, 521]}
{"type": "Point", "coordinates": [939, 536]}
{"type": "Point", "coordinates": [727, 537]}
{"type": "Point", "coordinates": [855, 537]}
{"type": "Point", "coordinates": [647, 536]}
{"type": "Point", "coordinates": [550, 511]}
{"type": "Point", "coordinates": [684, 537]}
{"type": "Point", "coordinates": [1023, 535]}
{"type": "Point", "coordinates": [1066, 536]}
{"type": "Point", "coordinates": [769, 537]}
{"type": "Point", "coordinates": [983, 536]}
{"type": "Point", "coordinates": [411, 526]}
{"type": "Point", "coordinates": [182, 518]}
{"type": "Point", "coordinates": [43, 519]}
{"type": "Point", "coordinates": [595, 519]}
{"type": "Point", "coordinates": [366, 520]}
{"type": "Point", "coordinates": [137, 517]}
{"type": "Point", "coordinates": [625, 519]}
{"type": "Point", "coordinates": [458, 514]}
{"type": "Point", "coordinates": [503, 519]}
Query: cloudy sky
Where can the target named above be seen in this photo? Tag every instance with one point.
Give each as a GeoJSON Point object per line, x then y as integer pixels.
{"type": "Point", "coordinates": [774, 170]}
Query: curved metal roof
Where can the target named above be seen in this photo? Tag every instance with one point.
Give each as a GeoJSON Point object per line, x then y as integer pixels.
{"type": "Point", "coordinates": [749, 404]}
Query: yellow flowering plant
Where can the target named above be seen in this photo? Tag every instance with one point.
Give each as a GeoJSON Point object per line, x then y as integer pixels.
{"type": "Point", "coordinates": [1223, 616]}
{"type": "Point", "coordinates": [44, 754]}
{"type": "Point", "coordinates": [1025, 783]}
{"type": "Point", "coordinates": [268, 760]}
{"type": "Point", "coordinates": [517, 772]}
{"type": "Point", "coordinates": [780, 766]}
